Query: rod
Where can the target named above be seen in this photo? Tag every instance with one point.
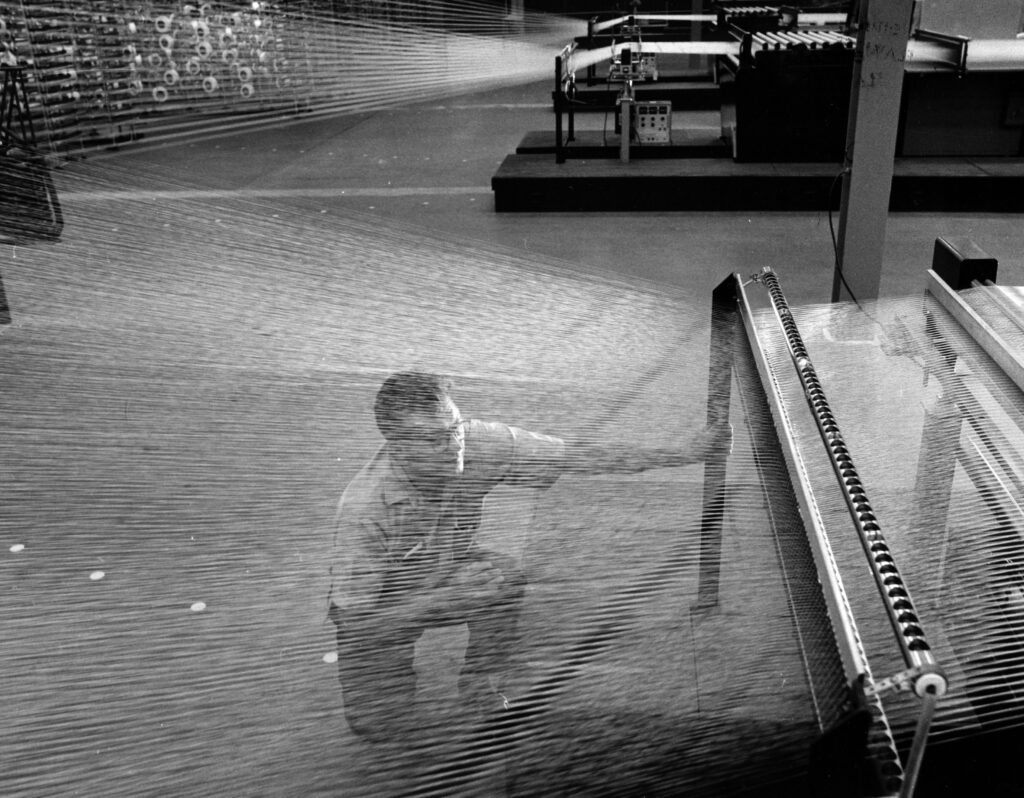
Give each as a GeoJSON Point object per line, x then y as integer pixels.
{"type": "Point", "coordinates": [916, 755]}
{"type": "Point", "coordinates": [724, 321]}
{"type": "Point", "coordinates": [899, 606]}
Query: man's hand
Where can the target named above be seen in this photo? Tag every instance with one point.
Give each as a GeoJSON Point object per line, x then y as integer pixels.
{"type": "Point", "coordinates": [716, 438]}
{"type": "Point", "coordinates": [469, 586]}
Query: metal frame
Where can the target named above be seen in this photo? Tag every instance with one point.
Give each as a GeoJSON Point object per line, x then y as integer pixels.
{"type": "Point", "coordinates": [923, 674]}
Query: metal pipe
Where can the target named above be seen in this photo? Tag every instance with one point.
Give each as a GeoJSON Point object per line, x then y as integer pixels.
{"type": "Point", "coordinates": [916, 755]}
{"type": "Point", "coordinates": [626, 117]}
{"type": "Point", "coordinates": [557, 96]}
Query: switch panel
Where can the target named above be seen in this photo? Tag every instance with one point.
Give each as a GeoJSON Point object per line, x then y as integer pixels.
{"type": "Point", "coordinates": [653, 122]}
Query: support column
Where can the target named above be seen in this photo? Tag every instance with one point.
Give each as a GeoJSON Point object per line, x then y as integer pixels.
{"type": "Point", "coordinates": [882, 35]}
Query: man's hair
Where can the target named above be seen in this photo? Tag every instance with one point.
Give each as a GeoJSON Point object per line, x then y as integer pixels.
{"type": "Point", "coordinates": [408, 392]}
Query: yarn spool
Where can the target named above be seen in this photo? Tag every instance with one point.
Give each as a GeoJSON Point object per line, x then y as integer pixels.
{"type": "Point", "coordinates": [229, 56]}
{"type": "Point", "coordinates": [247, 90]}
{"type": "Point", "coordinates": [171, 77]}
{"type": "Point", "coordinates": [193, 67]}
{"type": "Point", "coordinates": [210, 84]}
{"type": "Point", "coordinates": [155, 59]}
{"type": "Point", "coordinates": [167, 43]}
{"type": "Point", "coordinates": [163, 24]}
{"type": "Point", "coordinates": [160, 94]}
{"type": "Point", "coordinates": [245, 74]}
{"type": "Point", "coordinates": [204, 50]}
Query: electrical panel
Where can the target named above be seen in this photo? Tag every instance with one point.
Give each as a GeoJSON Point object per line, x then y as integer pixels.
{"type": "Point", "coordinates": [652, 122]}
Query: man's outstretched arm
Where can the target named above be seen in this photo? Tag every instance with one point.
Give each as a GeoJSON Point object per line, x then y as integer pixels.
{"type": "Point", "coordinates": [585, 458]}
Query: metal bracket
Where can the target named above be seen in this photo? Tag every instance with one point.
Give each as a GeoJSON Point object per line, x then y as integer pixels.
{"type": "Point", "coordinates": [959, 43]}
{"type": "Point", "coordinates": [900, 682]}
{"type": "Point", "coordinates": [921, 680]}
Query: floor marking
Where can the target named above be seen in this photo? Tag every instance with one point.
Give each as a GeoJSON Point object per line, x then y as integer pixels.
{"type": "Point", "coordinates": [133, 195]}
{"type": "Point", "coordinates": [478, 106]}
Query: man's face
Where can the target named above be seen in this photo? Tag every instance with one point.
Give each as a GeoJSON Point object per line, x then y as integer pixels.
{"type": "Point", "coordinates": [430, 445]}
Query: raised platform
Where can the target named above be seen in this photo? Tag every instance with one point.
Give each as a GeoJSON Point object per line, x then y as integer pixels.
{"type": "Point", "coordinates": [535, 182]}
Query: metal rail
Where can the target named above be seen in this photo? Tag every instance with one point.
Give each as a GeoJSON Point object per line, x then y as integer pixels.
{"type": "Point", "coordinates": [857, 669]}
{"type": "Point", "coordinates": [925, 674]}
{"type": "Point", "coordinates": [994, 345]}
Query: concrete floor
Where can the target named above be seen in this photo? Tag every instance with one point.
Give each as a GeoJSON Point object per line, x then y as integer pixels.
{"type": "Point", "coordinates": [187, 364]}
{"type": "Point", "coordinates": [430, 165]}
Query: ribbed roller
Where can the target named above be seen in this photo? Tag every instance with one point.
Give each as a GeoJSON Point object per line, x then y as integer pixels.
{"type": "Point", "coordinates": [899, 605]}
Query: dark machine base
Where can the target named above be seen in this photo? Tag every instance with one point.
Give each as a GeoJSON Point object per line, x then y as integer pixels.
{"type": "Point", "coordinates": [598, 144]}
{"type": "Point", "coordinates": [534, 182]}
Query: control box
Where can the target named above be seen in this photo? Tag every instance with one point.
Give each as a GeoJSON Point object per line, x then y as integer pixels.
{"type": "Point", "coordinates": [632, 64]}
{"type": "Point", "coordinates": [652, 122]}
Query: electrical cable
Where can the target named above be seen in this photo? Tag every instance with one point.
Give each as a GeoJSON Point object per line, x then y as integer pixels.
{"type": "Point", "coordinates": [832, 230]}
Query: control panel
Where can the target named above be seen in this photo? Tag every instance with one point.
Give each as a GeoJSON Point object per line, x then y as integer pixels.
{"type": "Point", "coordinates": [653, 122]}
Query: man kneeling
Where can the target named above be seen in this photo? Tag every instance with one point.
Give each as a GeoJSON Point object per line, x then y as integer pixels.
{"type": "Point", "coordinates": [406, 557]}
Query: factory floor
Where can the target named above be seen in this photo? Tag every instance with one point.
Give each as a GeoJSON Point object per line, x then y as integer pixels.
{"type": "Point", "coordinates": [431, 165]}
{"type": "Point", "coordinates": [186, 386]}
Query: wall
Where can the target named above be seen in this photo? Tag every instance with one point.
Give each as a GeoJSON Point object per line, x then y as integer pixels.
{"type": "Point", "coordinates": [979, 19]}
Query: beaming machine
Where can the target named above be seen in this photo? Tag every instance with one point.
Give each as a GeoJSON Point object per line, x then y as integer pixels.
{"type": "Point", "coordinates": [950, 524]}
{"type": "Point", "coordinates": [782, 79]}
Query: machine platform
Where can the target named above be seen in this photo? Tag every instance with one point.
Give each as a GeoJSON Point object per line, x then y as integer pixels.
{"type": "Point", "coordinates": [686, 143]}
{"type": "Point", "coordinates": [534, 182]}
